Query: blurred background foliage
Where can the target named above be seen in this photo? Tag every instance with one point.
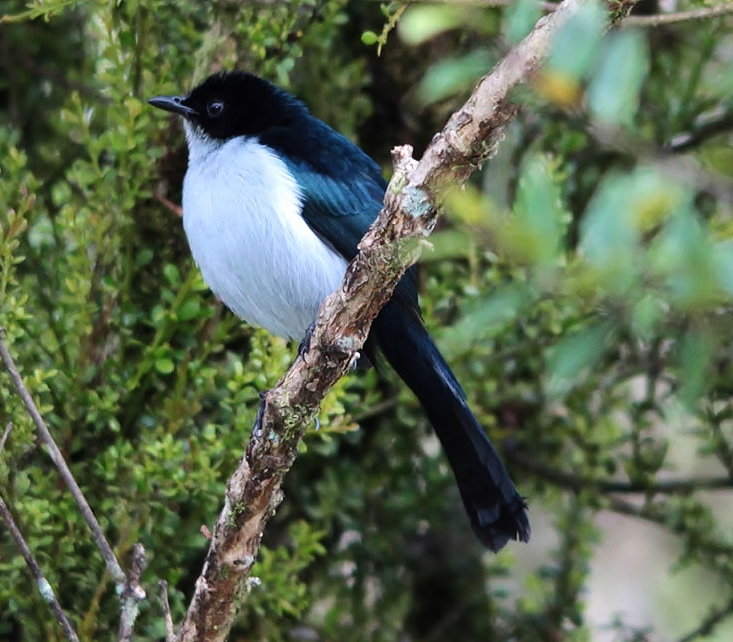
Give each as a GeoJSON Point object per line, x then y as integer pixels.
{"type": "Point", "coordinates": [580, 285]}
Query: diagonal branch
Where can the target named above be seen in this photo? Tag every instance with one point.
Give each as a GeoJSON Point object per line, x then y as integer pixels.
{"type": "Point", "coordinates": [132, 594]}
{"type": "Point", "coordinates": [44, 587]}
{"type": "Point", "coordinates": [388, 249]}
{"type": "Point", "coordinates": [662, 19]}
{"type": "Point", "coordinates": [130, 591]}
{"type": "Point", "coordinates": [113, 566]}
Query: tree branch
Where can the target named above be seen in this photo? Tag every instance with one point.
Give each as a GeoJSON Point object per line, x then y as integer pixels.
{"type": "Point", "coordinates": [706, 127]}
{"type": "Point", "coordinates": [129, 590]}
{"type": "Point", "coordinates": [661, 19]}
{"type": "Point", "coordinates": [6, 433]}
{"type": "Point", "coordinates": [170, 635]}
{"type": "Point", "coordinates": [132, 595]}
{"type": "Point", "coordinates": [656, 20]}
{"type": "Point", "coordinates": [672, 164]}
{"type": "Point", "coordinates": [577, 483]}
{"type": "Point", "coordinates": [44, 587]}
{"type": "Point", "coordinates": [113, 566]}
{"type": "Point", "coordinates": [707, 626]}
{"type": "Point", "coordinates": [388, 249]}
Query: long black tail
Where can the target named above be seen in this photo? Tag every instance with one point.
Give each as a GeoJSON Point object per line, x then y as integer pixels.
{"type": "Point", "coordinates": [496, 509]}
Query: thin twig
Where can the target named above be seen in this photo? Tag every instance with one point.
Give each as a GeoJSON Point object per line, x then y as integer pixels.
{"type": "Point", "coordinates": [4, 438]}
{"type": "Point", "coordinates": [170, 634]}
{"type": "Point", "coordinates": [547, 7]}
{"type": "Point", "coordinates": [132, 595]}
{"type": "Point", "coordinates": [661, 19]}
{"type": "Point", "coordinates": [706, 627]}
{"type": "Point", "coordinates": [97, 533]}
{"type": "Point", "coordinates": [656, 20]}
{"type": "Point", "coordinates": [676, 167]}
{"type": "Point", "coordinates": [573, 482]}
{"type": "Point", "coordinates": [44, 588]}
{"type": "Point", "coordinates": [176, 209]}
{"type": "Point", "coordinates": [714, 124]}
{"type": "Point", "coordinates": [658, 513]}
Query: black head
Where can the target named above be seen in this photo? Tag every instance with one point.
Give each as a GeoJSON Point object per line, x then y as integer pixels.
{"type": "Point", "coordinates": [234, 103]}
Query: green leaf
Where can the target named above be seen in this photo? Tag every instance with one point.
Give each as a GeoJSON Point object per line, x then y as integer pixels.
{"type": "Point", "coordinates": [172, 274]}
{"type": "Point", "coordinates": [369, 38]}
{"type": "Point", "coordinates": [695, 355]}
{"type": "Point", "coordinates": [449, 244]}
{"type": "Point", "coordinates": [685, 258]}
{"type": "Point", "coordinates": [536, 230]}
{"type": "Point", "coordinates": [422, 23]}
{"type": "Point", "coordinates": [723, 256]}
{"type": "Point", "coordinates": [487, 316]}
{"type": "Point", "coordinates": [576, 44]}
{"type": "Point", "coordinates": [646, 313]}
{"type": "Point", "coordinates": [452, 75]}
{"type": "Point", "coordinates": [189, 309]}
{"type": "Point", "coordinates": [623, 208]}
{"type": "Point", "coordinates": [519, 19]}
{"type": "Point", "coordinates": [613, 94]}
{"type": "Point", "coordinates": [164, 365]}
{"type": "Point", "coordinates": [572, 359]}
{"type": "Point", "coordinates": [609, 242]}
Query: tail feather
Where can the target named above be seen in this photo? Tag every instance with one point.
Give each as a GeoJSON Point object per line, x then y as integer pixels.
{"type": "Point", "coordinates": [494, 506]}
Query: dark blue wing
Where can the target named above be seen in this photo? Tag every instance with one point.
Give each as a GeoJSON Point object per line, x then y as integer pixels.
{"type": "Point", "coordinates": [342, 190]}
{"type": "Point", "coordinates": [339, 212]}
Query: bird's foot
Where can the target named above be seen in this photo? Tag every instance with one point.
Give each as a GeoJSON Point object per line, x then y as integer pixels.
{"type": "Point", "coordinates": [305, 343]}
{"type": "Point", "coordinates": [257, 428]}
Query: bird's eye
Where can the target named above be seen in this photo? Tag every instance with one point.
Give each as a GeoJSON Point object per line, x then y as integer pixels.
{"type": "Point", "coordinates": [214, 108]}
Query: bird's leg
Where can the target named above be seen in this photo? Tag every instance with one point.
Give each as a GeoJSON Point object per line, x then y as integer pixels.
{"type": "Point", "coordinates": [257, 428]}
{"type": "Point", "coordinates": [303, 348]}
{"type": "Point", "coordinates": [305, 343]}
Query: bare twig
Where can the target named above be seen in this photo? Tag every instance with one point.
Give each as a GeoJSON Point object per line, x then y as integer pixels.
{"type": "Point", "coordinates": [661, 19]}
{"type": "Point", "coordinates": [130, 591]}
{"type": "Point", "coordinates": [719, 122]}
{"type": "Point", "coordinates": [677, 167]}
{"type": "Point", "coordinates": [496, 4]}
{"type": "Point", "coordinates": [132, 595]}
{"type": "Point", "coordinates": [44, 588]}
{"type": "Point", "coordinates": [707, 626]}
{"type": "Point", "coordinates": [391, 245]}
{"type": "Point", "coordinates": [574, 482]}
{"type": "Point", "coordinates": [4, 438]}
{"type": "Point", "coordinates": [97, 533]}
{"type": "Point", "coordinates": [170, 634]}
{"type": "Point", "coordinates": [176, 209]}
{"type": "Point", "coordinates": [707, 541]}
{"type": "Point", "coordinates": [656, 20]}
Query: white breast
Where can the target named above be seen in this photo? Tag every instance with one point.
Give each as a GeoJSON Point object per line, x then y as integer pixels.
{"type": "Point", "coordinates": [241, 214]}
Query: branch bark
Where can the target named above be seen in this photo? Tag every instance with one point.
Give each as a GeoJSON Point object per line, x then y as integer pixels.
{"type": "Point", "coordinates": [130, 591]}
{"type": "Point", "coordinates": [132, 595]}
{"type": "Point", "coordinates": [44, 587]}
{"type": "Point", "coordinates": [113, 566]}
{"type": "Point", "coordinates": [662, 19]}
{"type": "Point", "coordinates": [393, 243]}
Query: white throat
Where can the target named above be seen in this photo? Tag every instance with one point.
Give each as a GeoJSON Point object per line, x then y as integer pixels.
{"type": "Point", "coordinates": [242, 217]}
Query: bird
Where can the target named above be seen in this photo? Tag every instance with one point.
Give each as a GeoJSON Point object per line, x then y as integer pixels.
{"type": "Point", "coordinates": [275, 203]}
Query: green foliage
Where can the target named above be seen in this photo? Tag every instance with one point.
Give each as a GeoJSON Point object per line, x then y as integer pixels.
{"type": "Point", "coordinates": [581, 287]}
{"type": "Point", "coordinates": [519, 19]}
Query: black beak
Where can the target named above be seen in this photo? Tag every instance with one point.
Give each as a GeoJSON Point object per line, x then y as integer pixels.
{"type": "Point", "coordinates": [174, 104]}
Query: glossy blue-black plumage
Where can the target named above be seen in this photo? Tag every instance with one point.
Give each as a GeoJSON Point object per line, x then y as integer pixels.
{"type": "Point", "coordinates": [342, 191]}
{"type": "Point", "coordinates": [342, 188]}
